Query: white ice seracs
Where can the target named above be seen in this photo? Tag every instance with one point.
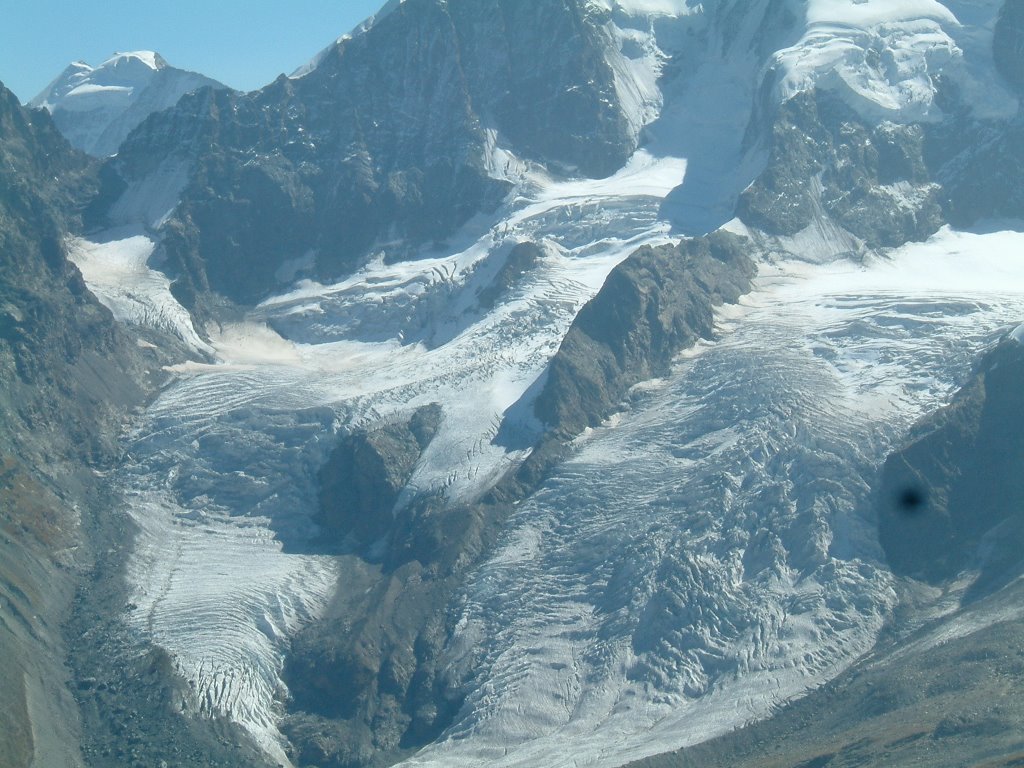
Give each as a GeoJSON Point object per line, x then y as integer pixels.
{"type": "Point", "coordinates": [883, 56]}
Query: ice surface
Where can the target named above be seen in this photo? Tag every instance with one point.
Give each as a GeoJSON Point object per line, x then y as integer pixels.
{"type": "Point", "coordinates": [879, 55]}
{"type": "Point", "coordinates": [115, 268]}
{"type": "Point", "coordinates": [712, 554]}
{"type": "Point", "coordinates": [882, 56]}
{"type": "Point", "coordinates": [149, 201]}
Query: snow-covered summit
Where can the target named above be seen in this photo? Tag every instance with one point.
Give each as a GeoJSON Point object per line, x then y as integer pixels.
{"type": "Point", "coordinates": [97, 107]}
{"type": "Point", "coordinates": [80, 87]}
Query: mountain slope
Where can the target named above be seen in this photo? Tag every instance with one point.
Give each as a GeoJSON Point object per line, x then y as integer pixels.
{"type": "Point", "coordinates": [356, 157]}
{"type": "Point", "coordinates": [67, 376]}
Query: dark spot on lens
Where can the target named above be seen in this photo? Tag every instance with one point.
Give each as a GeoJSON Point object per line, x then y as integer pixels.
{"type": "Point", "coordinates": [912, 500]}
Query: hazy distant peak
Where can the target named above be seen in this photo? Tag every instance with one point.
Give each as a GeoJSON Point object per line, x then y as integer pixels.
{"type": "Point", "coordinates": [96, 107]}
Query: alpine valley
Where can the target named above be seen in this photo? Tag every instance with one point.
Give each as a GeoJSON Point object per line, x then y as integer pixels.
{"type": "Point", "coordinates": [523, 383]}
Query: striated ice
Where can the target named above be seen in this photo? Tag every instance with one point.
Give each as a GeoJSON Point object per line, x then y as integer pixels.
{"type": "Point", "coordinates": [713, 555]}
{"type": "Point", "coordinates": [116, 268]}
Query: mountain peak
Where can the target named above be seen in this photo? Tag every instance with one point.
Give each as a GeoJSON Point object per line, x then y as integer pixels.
{"type": "Point", "coordinates": [109, 100]}
{"type": "Point", "coordinates": [150, 59]}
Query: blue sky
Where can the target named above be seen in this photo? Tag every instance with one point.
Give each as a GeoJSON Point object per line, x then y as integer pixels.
{"type": "Point", "coordinates": [243, 43]}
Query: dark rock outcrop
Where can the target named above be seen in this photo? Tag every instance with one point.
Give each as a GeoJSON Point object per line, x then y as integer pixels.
{"type": "Point", "coordinates": [652, 306]}
{"type": "Point", "coordinates": [1008, 43]}
{"type": "Point", "coordinates": [981, 175]}
{"type": "Point", "coordinates": [979, 163]}
{"type": "Point", "coordinates": [538, 72]}
{"type": "Point", "coordinates": [959, 477]}
{"type": "Point", "coordinates": [871, 180]}
{"type": "Point", "coordinates": [365, 474]}
{"type": "Point", "coordinates": [520, 260]}
{"type": "Point", "coordinates": [367, 681]}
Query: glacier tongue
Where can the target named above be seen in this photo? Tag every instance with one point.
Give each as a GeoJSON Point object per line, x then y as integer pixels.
{"type": "Point", "coordinates": [712, 555]}
{"type": "Point", "coordinates": [115, 265]}
{"type": "Point", "coordinates": [221, 475]}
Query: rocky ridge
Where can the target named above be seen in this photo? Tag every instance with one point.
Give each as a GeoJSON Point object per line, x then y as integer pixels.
{"type": "Point", "coordinates": [323, 169]}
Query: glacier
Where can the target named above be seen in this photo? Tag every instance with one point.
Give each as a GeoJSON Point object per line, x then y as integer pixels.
{"type": "Point", "coordinates": [220, 476]}
{"type": "Point", "coordinates": [707, 554]}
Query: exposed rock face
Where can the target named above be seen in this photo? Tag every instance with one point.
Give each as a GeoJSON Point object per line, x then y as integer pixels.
{"type": "Point", "coordinates": [982, 169]}
{"type": "Point", "coordinates": [519, 261]}
{"type": "Point", "coordinates": [365, 681]}
{"type": "Point", "coordinates": [350, 157]}
{"type": "Point", "coordinates": [1008, 43]}
{"type": "Point", "coordinates": [361, 481]}
{"type": "Point", "coordinates": [959, 478]}
{"type": "Point", "coordinates": [67, 374]}
{"type": "Point", "coordinates": [56, 342]}
{"type": "Point", "coordinates": [823, 158]}
{"type": "Point", "coordinates": [653, 305]}
{"type": "Point", "coordinates": [555, 102]}
{"type": "Point", "coordinates": [370, 688]}
{"type": "Point", "coordinates": [96, 108]}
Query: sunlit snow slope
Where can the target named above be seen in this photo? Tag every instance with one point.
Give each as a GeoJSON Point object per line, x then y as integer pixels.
{"type": "Point", "coordinates": [96, 107]}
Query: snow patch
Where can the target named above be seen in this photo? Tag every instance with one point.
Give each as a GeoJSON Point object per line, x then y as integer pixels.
{"type": "Point", "coordinates": [151, 200]}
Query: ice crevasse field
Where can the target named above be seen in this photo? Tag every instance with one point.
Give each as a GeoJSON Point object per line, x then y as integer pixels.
{"type": "Point", "coordinates": [705, 555]}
